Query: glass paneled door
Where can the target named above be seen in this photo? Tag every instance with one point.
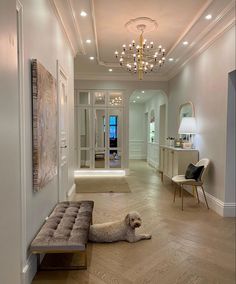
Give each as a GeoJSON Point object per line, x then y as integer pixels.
{"type": "Point", "coordinates": [84, 137]}
{"type": "Point", "coordinates": [99, 124]}
{"type": "Point", "coordinates": [115, 138]}
{"type": "Point", "coordinates": [100, 138]}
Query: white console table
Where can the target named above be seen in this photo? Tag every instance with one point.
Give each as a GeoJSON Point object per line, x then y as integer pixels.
{"type": "Point", "coordinates": [174, 161]}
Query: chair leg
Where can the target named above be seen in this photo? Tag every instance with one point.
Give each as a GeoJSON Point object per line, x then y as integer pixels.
{"type": "Point", "coordinates": [204, 196]}
{"type": "Point", "coordinates": [193, 191]}
{"type": "Point", "coordinates": [180, 190]}
{"type": "Point", "coordinates": [182, 196]}
{"type": "Point", "coordinates": [198, 201]}
{"type": "Point", "coordinates": [175, 192]}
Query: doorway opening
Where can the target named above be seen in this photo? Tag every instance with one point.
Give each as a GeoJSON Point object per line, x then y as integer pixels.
{"type": "Point", "coordinates": [99, 132]}
{"type": "Point", "coordinates": [147, 125]}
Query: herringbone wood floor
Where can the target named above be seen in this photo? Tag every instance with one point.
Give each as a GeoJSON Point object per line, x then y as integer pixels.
{"type": "Point", "coordinates": [194, 246]}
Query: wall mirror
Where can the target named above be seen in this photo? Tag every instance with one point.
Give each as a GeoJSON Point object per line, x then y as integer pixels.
{"type": "Point", "coordinates": [186, 110]}
{"type": "Point", "coordinates": [187, 124]}
{"type": "Point", "coordinates": [152, 126]}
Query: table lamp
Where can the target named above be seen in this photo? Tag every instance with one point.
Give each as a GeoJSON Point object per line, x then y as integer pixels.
{"type": "Point", "coordinates": [188, 127]}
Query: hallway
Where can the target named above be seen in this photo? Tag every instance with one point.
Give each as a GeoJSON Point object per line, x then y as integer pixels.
{"type": "Point", "coordinates": [193, 246]}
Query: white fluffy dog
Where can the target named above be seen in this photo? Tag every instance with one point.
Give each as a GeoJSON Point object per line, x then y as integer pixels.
{"type": "Point", "coordinates": [123, 230]}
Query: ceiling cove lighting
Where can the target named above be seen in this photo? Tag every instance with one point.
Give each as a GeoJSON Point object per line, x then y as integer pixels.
{"type": "Point", "coordinates": [208, 17]}
{"type": "Point", "coordinates": [141, 57]}
{"type": "Point", "coordinates": [83, 14]}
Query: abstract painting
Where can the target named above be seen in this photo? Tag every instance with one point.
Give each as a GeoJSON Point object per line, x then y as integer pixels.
{"type": "Point", "coordinates": [44, 106]}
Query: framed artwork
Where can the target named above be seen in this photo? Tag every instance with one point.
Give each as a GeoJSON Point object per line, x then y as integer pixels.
{"type": "Point", "coordinates": [45, 153]}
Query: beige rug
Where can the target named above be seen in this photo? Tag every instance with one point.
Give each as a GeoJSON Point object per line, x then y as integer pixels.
{"type": "Point", "coordinates": [101, 185]}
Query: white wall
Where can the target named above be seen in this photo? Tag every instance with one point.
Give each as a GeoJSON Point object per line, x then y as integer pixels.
{"type": "Point", "coordinates": [204, 81]}
{"type": "Point", "coordinates": [10, 239]}
{"type": "Point", "coordinates": [137, 132]}
{"type": "Point", "coordinates": [43, 40]}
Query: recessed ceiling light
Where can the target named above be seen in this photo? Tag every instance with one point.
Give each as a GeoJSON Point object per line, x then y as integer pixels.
{"type": "Point", "coordinates": [143, 92]}
{"type": "Point", "coordinates": [171, 59]}
{"type": "Point", "coordinates": [208, 17]}
{"type": "Point", "coordinates": [88, 40]}
{"type": "Point", "coordinates": [185, 42]}
{"type": "Point", "coordinates": [110, 70]}
{"type": "Point", "coordinates": [138, 97]}
{"type": "Point", "coordinates": [91, 58]}
{"type": "Point", "coordinates": [134, 102]}
{"type": "Point", "coordinates": [83, 14]}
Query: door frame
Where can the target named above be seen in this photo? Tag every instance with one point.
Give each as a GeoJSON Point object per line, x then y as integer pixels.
{"type": "Point", "coordinates": [23, 125]}
{"type": "Point", "coordinates": [60, 72]}
{"type": "Point", "coordinates": [92, 107]}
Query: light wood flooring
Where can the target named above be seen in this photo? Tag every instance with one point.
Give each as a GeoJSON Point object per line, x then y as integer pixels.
{"type": "Point", "coordinates": [194, 246]}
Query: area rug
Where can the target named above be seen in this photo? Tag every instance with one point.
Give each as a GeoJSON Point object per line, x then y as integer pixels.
{"type": "Point", "coordinates": [101, 185]}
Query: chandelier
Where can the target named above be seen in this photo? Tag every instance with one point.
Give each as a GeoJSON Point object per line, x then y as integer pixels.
{"type": "Point", "coordinates": [141, 57]}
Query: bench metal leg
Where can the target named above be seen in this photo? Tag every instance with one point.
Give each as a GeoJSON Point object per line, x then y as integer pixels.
{"type": "Point", "coordinates": [61, 261]}
{"type": "Point", "coordinates": [38, 261]}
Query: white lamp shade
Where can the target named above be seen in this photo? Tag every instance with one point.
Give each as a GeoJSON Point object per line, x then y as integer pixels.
{"type": "Point", "coordinates": [188, 126]}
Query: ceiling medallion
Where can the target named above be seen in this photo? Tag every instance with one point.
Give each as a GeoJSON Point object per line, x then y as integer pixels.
{"type": "Point", "coordinates": [141, 57]}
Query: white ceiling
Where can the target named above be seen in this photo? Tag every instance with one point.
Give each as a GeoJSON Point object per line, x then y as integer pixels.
{"type": "Point", "coordinates": [104, 25]}
{"type": "Point", "coordinates": [142, 96]}
{"type": "Point", "coordinates": [169, 15]}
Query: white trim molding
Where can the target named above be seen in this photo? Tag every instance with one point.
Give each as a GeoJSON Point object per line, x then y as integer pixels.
{"type": "Point", "coordinates": [71, 192]}
{"type": "Point", "coordinates": [222, 208]}
{"type": "Point", "coordinates": [201, 37]}
{"type": "Point", "coordinates": [222, 23]}
{"type": "Point", "coordinates": [119, 77]}
{"type": "Point", "coordinates": [29, 270]}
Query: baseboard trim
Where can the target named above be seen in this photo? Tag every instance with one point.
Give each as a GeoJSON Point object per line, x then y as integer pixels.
{"type": "Point", "coordinates": [220, 207]}
{"type": "Point", "coordinates": [229, 209]}
{"type": "Point", "coordinates": [153, 163]}
{"type": "Point", "coordinates": [29, 270]}
{"type": "Point", "coordinates": [71, 191]}
{"type": "Point", "coordinates": [137, 157]}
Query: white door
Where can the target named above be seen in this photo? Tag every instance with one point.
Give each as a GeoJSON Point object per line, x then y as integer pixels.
{"type": "Point", "coordinates": [63, 134]}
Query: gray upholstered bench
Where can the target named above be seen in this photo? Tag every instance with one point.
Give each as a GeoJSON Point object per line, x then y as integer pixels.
{"type": "Point", "coordinates": [65, 232]}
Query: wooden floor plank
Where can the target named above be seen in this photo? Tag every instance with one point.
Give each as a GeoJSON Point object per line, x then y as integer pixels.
{"type": "Point", "coordinates": [194, 246]}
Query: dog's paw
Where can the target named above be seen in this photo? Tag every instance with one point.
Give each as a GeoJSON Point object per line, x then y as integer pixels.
{"type": "Point", "coordinates": [148, 236]}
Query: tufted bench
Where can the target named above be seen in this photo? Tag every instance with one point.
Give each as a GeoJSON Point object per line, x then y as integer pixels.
{"type": "Point", "coordinates": [65, 232]}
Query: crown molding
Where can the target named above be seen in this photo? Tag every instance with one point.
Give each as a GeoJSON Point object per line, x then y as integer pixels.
{"type": "Point", "coordinates": [223, 22]}
{"type": "Point", "coordinates": [201, 42]}
{"type": "Point", "coordinates": [96, 36]}
{"type": "Point", "coordinates": [71, 31]}
{"type": "Point", "coordinates": [81, 46]}
{"type": "Point", "coordinates": [118, 77]}
{"type": "Point", "coordinates": [62, 25]}
{"type": "Point", "coordinates": [190, 26]}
